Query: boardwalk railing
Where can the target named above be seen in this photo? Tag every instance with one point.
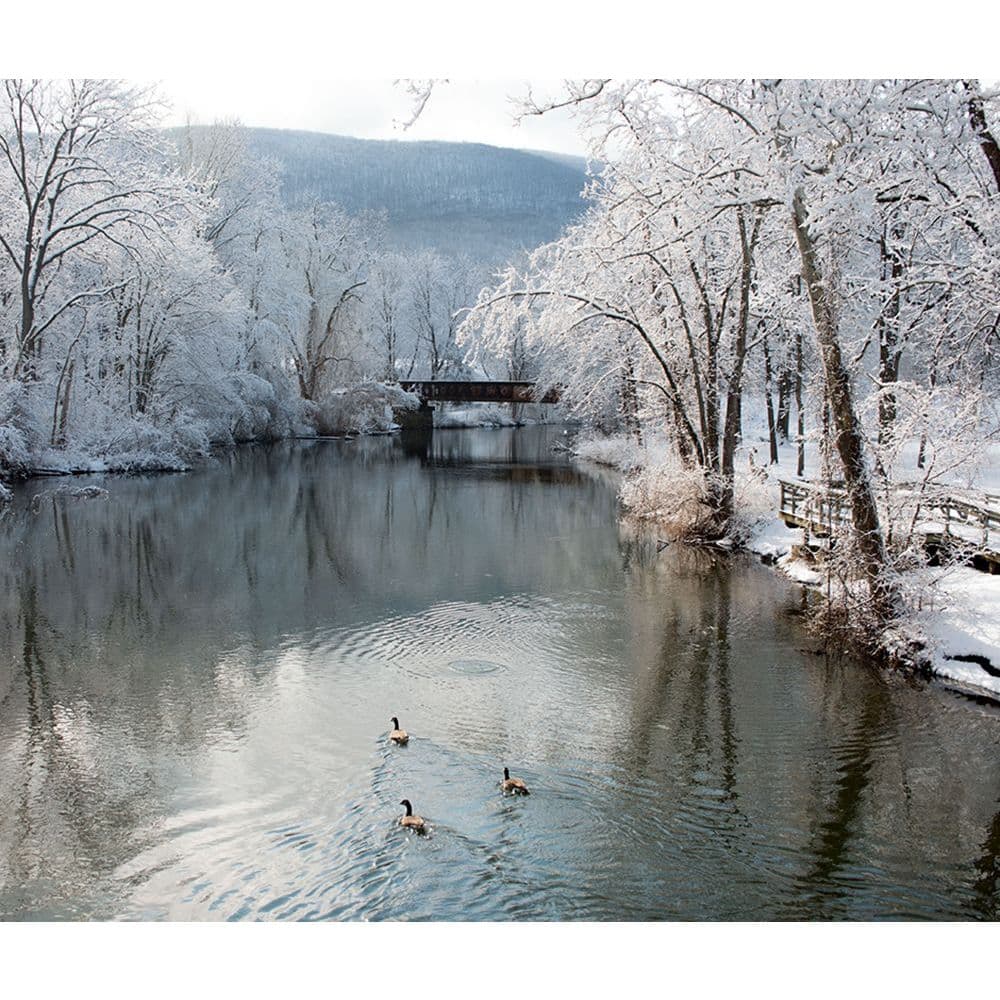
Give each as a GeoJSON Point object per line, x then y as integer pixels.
{"type": "Point", "coordinates": [815, 508]}
{"type": "Point", "coordinates": [970, 522]}
{"type": "Point", "coordinates": [943, 519]}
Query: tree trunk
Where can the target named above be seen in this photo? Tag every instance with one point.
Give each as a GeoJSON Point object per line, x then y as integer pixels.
{"type": "Point", "coordinates": [734, 393]}
{"type": "Point", "coordinates": [850, 444]}
{"type": "Point", "coordinates": [64, 409]}
{"type": "Point", "coordinates": [977, 116]}
{"type": "Point", "coordinates": [784, 404]}
{"type": "Point", "coordinates": [889, 347]}
{"type": "Point", "coordinates": [772, 435]}
{"type": "Point", "coordinates": [922, 450]}
{"type": "Point", "coordinates": [24, 365]}
{"type": "Point", "coordinates": [629, 396]}
{"type": "Point", "coordinates": [60, 405]}
{"type": "Point", "coordinates": [682, 438]}
{"type": "Point", "coordinates": [800, 417]}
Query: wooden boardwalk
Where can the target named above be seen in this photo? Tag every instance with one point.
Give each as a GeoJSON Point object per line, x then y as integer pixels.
{"type": "Point", "coordinates": [962, 526]}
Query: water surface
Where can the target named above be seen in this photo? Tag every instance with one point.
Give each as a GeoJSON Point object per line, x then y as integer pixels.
{"type": "Point", "coordinates": [197, 675]}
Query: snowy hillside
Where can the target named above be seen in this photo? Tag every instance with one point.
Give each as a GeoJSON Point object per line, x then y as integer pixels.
{"type": "Point", "coordinates": [485, 201]}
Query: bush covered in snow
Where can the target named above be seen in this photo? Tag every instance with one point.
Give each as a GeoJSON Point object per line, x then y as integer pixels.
{"type": "Point", "coordinates": [679, 497]}
{"type": "Point", "coordinates": [137, 444]}
{"type": "Point", "coordinates": [15, 455]}
{"type": "Point", "coordinates": [659, 486]}
{"type": "Point", "coordinates": [619, 451]}
{"type": "Point", "coordinates": [365, 408]}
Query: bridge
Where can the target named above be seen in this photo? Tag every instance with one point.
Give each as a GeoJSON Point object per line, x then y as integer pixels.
{"type": "Point", "coordinates": [477, 391]}
{"type": "Point", "coordinates": [952, 524]}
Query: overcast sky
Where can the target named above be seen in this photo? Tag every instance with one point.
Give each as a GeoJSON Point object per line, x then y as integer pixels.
{"type": "Point", "coordinates": [459, 110]}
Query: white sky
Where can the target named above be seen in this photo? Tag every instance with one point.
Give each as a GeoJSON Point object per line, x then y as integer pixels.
{"type": "Point", "coordinates": [271, 64]}
{"type": "Point", "coordinates": [459, 110]}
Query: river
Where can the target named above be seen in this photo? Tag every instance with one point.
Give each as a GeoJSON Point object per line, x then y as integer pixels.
{"type": "Point", "coordinates": [197, 675]}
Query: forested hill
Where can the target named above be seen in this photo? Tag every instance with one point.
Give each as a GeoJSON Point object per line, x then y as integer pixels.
{"type": "Point", "coordinates": [482, 200]}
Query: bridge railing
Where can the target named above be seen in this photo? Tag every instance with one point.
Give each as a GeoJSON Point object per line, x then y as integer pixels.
{"type": "Point", "coordinates": [479, 391]}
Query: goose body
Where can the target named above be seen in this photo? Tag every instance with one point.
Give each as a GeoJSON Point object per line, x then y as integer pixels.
{"type": "Point", "coordinates": [513, 786]}
{"type": "Point", "coordinates": [398, 736]}
{"type": "Point", "coordinates": [410, 820]}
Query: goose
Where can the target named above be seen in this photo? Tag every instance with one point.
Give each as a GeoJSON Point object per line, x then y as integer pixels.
{"type": "Point", "coordinates": [409, 820]}
{"type": "Point", "coordinates": [400, 736]}
{"type": "Point", "coordinates": [513, 785]}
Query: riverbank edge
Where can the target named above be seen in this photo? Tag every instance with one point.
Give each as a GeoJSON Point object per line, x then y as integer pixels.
{"type": "Point", "coordinates": [949, 652]}
{"type": "Point", "coordinates": [460, 419]}
{"type": "Point", "coordinates": [98, 467]}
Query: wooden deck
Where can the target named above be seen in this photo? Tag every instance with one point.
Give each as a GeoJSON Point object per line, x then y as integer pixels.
{"type": "Point", "coordinates": [961, 526]}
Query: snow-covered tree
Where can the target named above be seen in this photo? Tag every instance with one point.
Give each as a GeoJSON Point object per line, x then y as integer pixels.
{"type": "Point", "coordinates": [330, 254]}
{"type": "Point", "coordinates": [729, 216]}
{"type": "Point", "coordinates": [80, 180]}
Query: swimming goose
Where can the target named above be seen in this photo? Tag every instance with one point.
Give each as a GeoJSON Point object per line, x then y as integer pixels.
{"type": "Point", "coordinates": [513, 785]}
{"type": "Point", "coordinates": [409, 820]}
{"type": "Point", "coordinates": [398, 735]}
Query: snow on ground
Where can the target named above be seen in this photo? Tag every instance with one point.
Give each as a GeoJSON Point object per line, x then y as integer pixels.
{"type": "Point", "coordinates": [981, 474]}
{"type": "Point", "coordinates": [967, 623]}
{"type": "Point", "coordinates": [966, 620]}
{"type": "Point", "coordinates": [773, 543]}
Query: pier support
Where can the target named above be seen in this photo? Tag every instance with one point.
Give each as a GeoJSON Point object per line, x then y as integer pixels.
{"type": "Point", "coordinates": [420, 419]}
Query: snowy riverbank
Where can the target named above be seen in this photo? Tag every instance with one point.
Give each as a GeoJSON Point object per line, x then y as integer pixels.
{"type": "Point", "coordinates": [961, 628]}
{"type": "Point", "coordinates": [960, 617]}
{"type": "Point", "coordinates": [959, 620]}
